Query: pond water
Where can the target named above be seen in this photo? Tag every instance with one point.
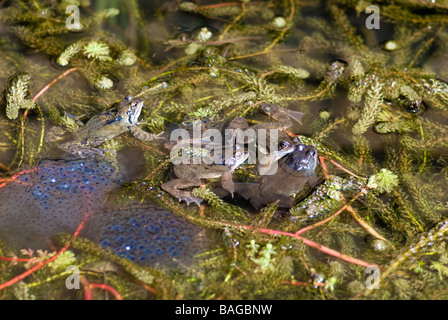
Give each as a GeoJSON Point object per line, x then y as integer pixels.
{"type": "Point", "coordinates": [371, 85]}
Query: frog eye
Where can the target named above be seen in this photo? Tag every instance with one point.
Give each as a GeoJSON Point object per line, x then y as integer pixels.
{"type": "Point", "coordinates": [311, 153]}
{"type": "Point", "coordinates": [284, 145]}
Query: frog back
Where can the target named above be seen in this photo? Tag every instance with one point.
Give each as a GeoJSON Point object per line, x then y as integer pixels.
{"type": "Point", "coordinates": [105, 124]}
{"type": "Point", "coordinates": [203, 171]}
{"type": "Point", "coordinates": [203, 123]}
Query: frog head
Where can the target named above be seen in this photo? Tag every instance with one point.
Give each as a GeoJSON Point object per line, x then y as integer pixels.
{"type": "Point", "coordinates": [285, 147]}
{"type": "Point", "coordinates": [303, 158]}
{"type": "Point", "coordinates": [275, 112]}
{"type": "Point", "coordinates": [130, 110]}
{"type": "Point", "coordinates": [269, 109]}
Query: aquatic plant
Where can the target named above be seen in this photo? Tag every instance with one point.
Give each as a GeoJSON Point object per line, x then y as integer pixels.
{"type": "Point", "coordinates": [375, 110]}
{"type": "Point", "coordinates": [16, 96]}
{"type": "Point", "coordinates": [43, 30]}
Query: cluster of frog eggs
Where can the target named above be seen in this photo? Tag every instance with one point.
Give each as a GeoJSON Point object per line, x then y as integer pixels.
{"type": "Point", "coordinates": [77, 177]}
{"type": "Point", "coordinates": [324, 198]}
{"type": "Point", "coordinates": [154, 236]}
{"type": "Point", "coordinates": [55, 196]}
{"type": "Point", "coordinates": [57, 180]}
{"type": "Point", "coordinates": [52, 198]}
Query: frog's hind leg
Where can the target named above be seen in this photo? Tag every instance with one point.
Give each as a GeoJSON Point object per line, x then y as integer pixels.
{"type": "Point", "coordinates": [173, 187]}
{"type": "Point", "coordinates": [295, 115]}
{"type": "Point", "coordinates": [143, 135]}
{"type": "Point", "coordinates": [54, 134]}
{"type": "Point", "coordinates": [227, 182]}
{"type": "Point", "coordinates": [250, 191]}
{"type": "Point", "coordinates": [83, 151]}
{"type": "Point", "coordinates": [247, 190]}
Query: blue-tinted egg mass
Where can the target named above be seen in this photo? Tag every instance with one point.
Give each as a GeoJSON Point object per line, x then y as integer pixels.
{"type": "Point", "coordinates": [151, 235]}
{"type": "Point", "coordinates": [54, 197]}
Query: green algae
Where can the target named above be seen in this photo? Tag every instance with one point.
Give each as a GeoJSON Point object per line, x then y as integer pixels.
{"type": "Point", "coordinates": [376, 112]}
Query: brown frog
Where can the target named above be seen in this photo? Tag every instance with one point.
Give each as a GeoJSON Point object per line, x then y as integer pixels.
{"type": "Point", "coordinates": [211, 166]}
{"type": "Point", "coordinates": [189, 175]}
{"type": "Point", "coordinates": [283, 119]}
{"type": "Point", "coordinates": [106, 126]}
{"type": "Point", "coordinates": [297, 173]}
{"type": "Point", "coordinates": [283, 116]}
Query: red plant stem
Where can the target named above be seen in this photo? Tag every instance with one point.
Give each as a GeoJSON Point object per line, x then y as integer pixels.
{"type": "Point", "coordinates": [14, 177]}
{"type": "Point", "coordinates": [42, 263]}
{"type": "Point", "coordinates": [41, 92]}
{"type": "Point", "coordinates": [311, 243]}
{"type": "Point", "coordinates": [242, 271]}
{"type": "Point", "coordinates": [33, 269]}
{"type": "Point", "coordinates": [324, 167]}
{"type": "Point", "coordinates": [267, 73]}
{"type": "Point", "coordinates": [106, 287]}
{"type": "Point", "coordinates": [25, 114]}
{"type": "Point", "coordinates": [88, 286]}
{"type": "Point", "coordinates": [149, 147]}
{"type": "Point", "coordinates": [342, 168]}
{"type": "Point", "coordinates": [51, 83]}
{"type": "Point", "coordinates": [87, 291]}
{"type": "Point", "coordinates": [331, 217]}
{"type": "Point", "coordinates": [147, 287]}
{"type": "Point", "coordinates": [14, 259]}
{"type": "Point", "coordinates": [289, 133]}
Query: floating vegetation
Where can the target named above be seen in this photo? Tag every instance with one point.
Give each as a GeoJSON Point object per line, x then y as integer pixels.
{"type": "Point", "coordinates": [17, 92]}
{"type": "Point", "coordinates": [45, 32]}
{"type": "Point", "coordinates": [375, 105]}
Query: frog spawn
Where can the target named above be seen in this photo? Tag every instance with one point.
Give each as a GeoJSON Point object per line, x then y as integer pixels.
{"type": "Point", "coordinates": [153, 236]}
{"type": "Point", "coordinates": [54, 197]}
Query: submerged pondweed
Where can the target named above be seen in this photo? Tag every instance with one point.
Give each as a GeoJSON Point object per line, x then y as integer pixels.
{"type": "Point", "coordinates": [364, 122]}
{"type": "Point", "coordinates": [17, 92]}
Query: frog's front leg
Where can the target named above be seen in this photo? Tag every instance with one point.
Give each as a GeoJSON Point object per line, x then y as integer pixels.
{"type": "Point", "coordinates": [173, 187]}
{"type": "Point", "coordinates": [80, 150]}
{"type": "Point", "coordinates": [142, 135]}
{"type": "Point", "coordinates": [54, 134]}
{"type": "Point", "coordinates": [227, 182]}
{"type": "Point", "coordinates": [70, 122]}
